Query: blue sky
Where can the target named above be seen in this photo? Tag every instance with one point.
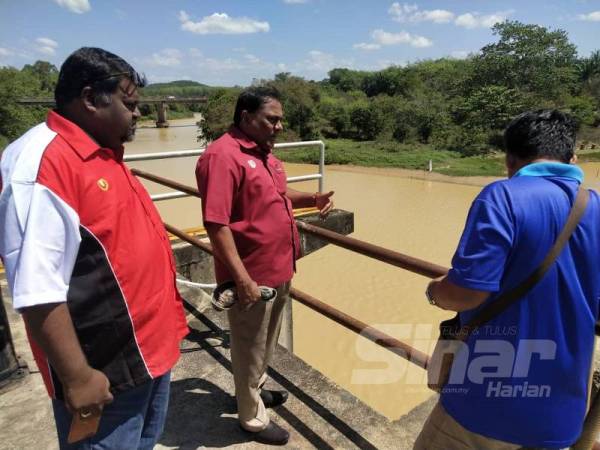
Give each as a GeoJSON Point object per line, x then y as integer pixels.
{"type": "Point", "coordinates": [227, 42]}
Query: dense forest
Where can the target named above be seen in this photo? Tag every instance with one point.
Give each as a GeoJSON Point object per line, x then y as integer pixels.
{"type": "Point", "coordinates": [444, 105]}
{"type": "Point", "coordinates": [460, 105]}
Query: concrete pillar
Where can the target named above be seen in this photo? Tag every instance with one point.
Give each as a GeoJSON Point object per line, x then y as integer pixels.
{"type": "Point", "coordinates": [161, 112]}
{"type": "Point", "coordinates": [286, 337]}
{"type": "Point", "coordinates": [9, 365]}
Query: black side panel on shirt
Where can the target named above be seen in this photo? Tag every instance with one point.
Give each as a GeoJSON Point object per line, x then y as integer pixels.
{"type": "Point", "coordinates": [101, 319]}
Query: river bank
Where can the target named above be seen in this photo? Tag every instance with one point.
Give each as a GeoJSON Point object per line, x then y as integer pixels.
{"type": "Point", "coordinates": [417, 174]}
{"type": "Point", "coordinates": [412, 157]}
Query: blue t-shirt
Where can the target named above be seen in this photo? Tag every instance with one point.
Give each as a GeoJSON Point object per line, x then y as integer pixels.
{"type": "Point", "coordinates": [523, 377]}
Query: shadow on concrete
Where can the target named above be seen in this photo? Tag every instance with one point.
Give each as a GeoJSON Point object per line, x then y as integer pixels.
{"type": "Point", "coordinates": [195, 417]}
{"type": "Point", "coordinates": [333, 420]}
{"type": "Point", "coordinates": [211, 408]}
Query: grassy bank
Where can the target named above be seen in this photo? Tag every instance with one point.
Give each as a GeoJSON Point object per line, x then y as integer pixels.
{"type": "Point", "coordinates": [392, 154]}
{"type": "Point", "coordinates": [588, 157]}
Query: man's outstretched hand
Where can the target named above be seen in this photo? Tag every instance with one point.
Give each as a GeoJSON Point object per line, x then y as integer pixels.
{"type": "Point", "coordinates": [324, 203]}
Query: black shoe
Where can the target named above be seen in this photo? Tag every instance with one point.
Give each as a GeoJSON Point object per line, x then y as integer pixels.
{"type": "Point", "coordinates": [272, 435]}
{"type": "Point", "coordinates": [271, 399]}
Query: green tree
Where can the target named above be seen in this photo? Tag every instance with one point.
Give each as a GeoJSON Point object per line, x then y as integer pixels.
{"type": "Point", "coordinates": [367, 122]}
{"type": "Point", "coordinates": [336, 115]}
{"type": "Point", "coordinates": [346, 80]}
{"type": "Point", "coordinates": [490, 106]}
{"type": "Point", "coordinates": [529, 58]}
{"type": "Point", "coordinates": [391, 81]}
{"type": "Point", "coordinates": [583, 108]}
{"type": "Point", "coordinates": [217, 114]}
{"type": "Point", "coordinates": [45, 72]}
{"type": "Point", "coordinates": [299, 101]}
{"type": "Point", "coordinates": [589, 67]}
{"type": "Point", "coordinates": [14, 118]}
{"type": "Point", "coordinates": [447, 77]}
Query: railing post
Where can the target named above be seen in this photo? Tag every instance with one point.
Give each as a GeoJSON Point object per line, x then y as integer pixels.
{"type": "Point", "coordinates": [321, 164]}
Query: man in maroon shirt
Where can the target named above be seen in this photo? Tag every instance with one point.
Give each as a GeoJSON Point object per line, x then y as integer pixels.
{"type": "Point", "coordinates": [247, 210]}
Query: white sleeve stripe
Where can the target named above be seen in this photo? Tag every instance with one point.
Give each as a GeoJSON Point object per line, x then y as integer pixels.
{"type": "Point", "coordinates": [40, 244]}
{"type": "Point", "coordinates": [21, 159]}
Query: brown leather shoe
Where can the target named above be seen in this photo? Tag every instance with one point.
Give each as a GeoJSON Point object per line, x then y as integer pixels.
{"type": "Point", "coordinates": [272, 435]}
{"type": "Point", "coordinates": [271, 399]}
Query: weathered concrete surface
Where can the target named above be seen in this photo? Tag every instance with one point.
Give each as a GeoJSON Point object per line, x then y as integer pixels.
{"type": "Point", "coordinates": [26, 420]}
{"type": "Point", "coordinates": [202, 411]}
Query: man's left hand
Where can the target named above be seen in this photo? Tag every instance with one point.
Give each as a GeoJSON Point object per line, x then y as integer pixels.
{"type": "Point", "coordinates": [324, 203]}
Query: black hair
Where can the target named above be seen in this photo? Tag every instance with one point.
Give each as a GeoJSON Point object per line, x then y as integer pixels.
{"type": "Point", "coordinates": [94, 67]}
{"type": "Point", "coordinates": [545, 133]}
{"type": "Point", "coordinates": [252, 99]}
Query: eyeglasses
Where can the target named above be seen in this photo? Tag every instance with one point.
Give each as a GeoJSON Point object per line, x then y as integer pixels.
{"type": "Point", "coordinates": [137, 80]}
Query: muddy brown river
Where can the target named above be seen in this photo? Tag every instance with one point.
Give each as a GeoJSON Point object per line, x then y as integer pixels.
{"type": "Point", "coordinates": [411, 212]}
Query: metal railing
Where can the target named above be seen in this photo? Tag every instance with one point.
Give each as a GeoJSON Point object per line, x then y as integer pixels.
{"type": "Point", "coordinates": [398, 259]}
{"type": "Point", "coordinates": [378, 337]}
{"type": "Point", "coordinates": [196, 152]}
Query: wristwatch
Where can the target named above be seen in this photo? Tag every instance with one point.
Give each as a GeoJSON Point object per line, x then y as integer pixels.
{"type": "Point", "coordinates": [429, 295]}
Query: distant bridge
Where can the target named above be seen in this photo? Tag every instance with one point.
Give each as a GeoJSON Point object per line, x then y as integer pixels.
{"type": "Point", "coordinates": [161, 110]}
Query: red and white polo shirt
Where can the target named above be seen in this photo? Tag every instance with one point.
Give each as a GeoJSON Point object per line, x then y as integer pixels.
{"type": "Point", "coordinates": [76, 226]}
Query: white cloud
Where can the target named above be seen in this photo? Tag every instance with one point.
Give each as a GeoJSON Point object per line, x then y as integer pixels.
{"type": "Point", "coordinates": [195, 52]}
{"type": "Point", "coordinates": [221, 23]}
{"type": "Point", "coordinates": [476, 20]}
{"type": "Point", "coordinates": [402, 13]}
{"type": "Point", "coordinates": [411, 13]}
{"type": "Point", "coordinates": [365, 46]}
{"type": "Point", "coordinates": [318, 60]}
{"type": "Point", "coordinates": [252, 59]}
{"type": "Point", "coordinates": [46, 46]}
{"type": "Point", "coordinates": [319, 63]}
{"type": "Point", "coordinates": [460, 54]}
{"type": "Point", "coordinates": [420, 42]}
{"type": "Point", "coordinates": [295, 2]}
{"type": "Point", "coordinates": [221, 65]}
{"type": "Point", "coordinates": [47, 42]}
{"type": "Point", "coordinates": [165, 58]}
{"type": "Point", "coordinates": [385, 63]}
{"type": "Point", "coordinates": [384, 38]}
{"type": "Point", "coordinates": [76, 6]}
{"type": "Point", "coordinates": [5, 52]}
{"type": "Point", "coordinates": [435, 15]}
{"type": "Point", "coordinates": [590, 17]}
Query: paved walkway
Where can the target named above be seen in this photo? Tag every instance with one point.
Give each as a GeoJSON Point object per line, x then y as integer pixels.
{"type": "Point", "coordinates": [202, 412]}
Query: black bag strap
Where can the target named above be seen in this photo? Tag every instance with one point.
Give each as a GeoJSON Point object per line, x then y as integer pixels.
{"type": "Point", "coordinates": [508, 298]}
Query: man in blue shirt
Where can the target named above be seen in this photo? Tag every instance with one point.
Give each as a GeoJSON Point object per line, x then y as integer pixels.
{"type": "Point", "coordinates": [522, 379]}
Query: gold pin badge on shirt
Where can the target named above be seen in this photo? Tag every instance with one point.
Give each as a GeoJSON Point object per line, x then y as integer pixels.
{"type": "Point", "coordinates": [103, 184]}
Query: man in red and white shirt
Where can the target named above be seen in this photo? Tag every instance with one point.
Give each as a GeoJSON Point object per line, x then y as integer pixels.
{"type": "Point", "coordinates": [88, 260]}
{"type": "Point", "coordinates": [247, 210]}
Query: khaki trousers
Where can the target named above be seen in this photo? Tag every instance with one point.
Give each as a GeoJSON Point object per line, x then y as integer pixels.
{"type": "Point", "coordinates": [442, 432]}
{"type": "Point", "coordinates": [254, 335]}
